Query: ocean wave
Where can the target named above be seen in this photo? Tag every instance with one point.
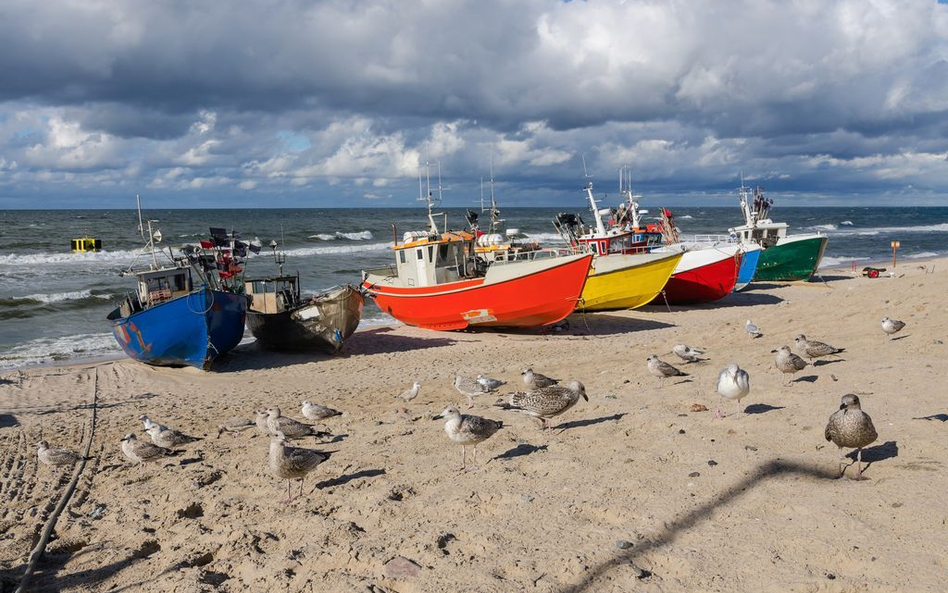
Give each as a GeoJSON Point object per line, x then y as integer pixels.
{"type": "Point", "coordinates": [923, 254]}
{"type": "Point", "coordinates": [304, 251]}
{"type": "Point", "coordinates": [872, 231]}
{"type": "Point", "coordinates": [832, 262]}
{"type": "Point", "coordinates": [57, 350]}
{"type": "Point", "coordinates": [685, 217]}
{"type": "Point", "coordinates": [58, 297]}
{"type": "Point", "coordinates": [847, 223]}
{"type": "Point", "coordinates": [358, 236]}
{"type": "Point", "coordinates": [823, 227]}
{"type": "Point", "coordinates": [96, 257]}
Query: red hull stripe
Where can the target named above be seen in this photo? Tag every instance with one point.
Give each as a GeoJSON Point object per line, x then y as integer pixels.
{"type": "Point", "coordinates": [705, 284]}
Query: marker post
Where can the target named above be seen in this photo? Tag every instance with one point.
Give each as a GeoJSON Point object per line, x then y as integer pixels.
{"type": "Point", "coordinates": [895, 247]}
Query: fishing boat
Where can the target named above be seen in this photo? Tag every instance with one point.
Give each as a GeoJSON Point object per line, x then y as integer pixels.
{"type": "Point", "coordinates": [625, 273]}
{"type": "Point", "coordinates": [496, 243]}
{"type": "Point", "coordinates": [783, 257]}
{"type": "Point", "coordinates": [745, 274]}
{"type": "Point", "coordinates": [439, 282]}
{"type": "Point", "coordinates": [188, 311]}
{"type": "Point", "coordinates": [280, 318]}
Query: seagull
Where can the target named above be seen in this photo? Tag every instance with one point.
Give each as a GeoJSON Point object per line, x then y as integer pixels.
{"type": "Point", "coordinates": [261, 421]}
{"type": "Point", "coordinates": [148, 422]}
{"type": "Point", "coordinates": [852, 428]}
{"type": "Point", "coordinates": [55, 456]}
{"type": "Point", "coordinates": [733, 383]}
{"type": "Point", "coordinates": [233, 426]}
{"type": "Point", "coordinates": [687, 353]}
{"type": "Point", "coordinates": [813, 349]}
{"type": "Point", "coordinates": [490, 384]}
{"type": "Point", "coordinates": [410, 393]}
{"type": "Point", "coordinates": [536, 380]}
{"type": "Point", "coordinates": [318, 411]}
{"type": "Point", "coordinates": [469, 388]}
{"type": "Point", "coordinates": [293, 463]}
{"type": "Point", "coordinates": [788, 362]}
{"type": "Point", "coordinates": [291, 429]}
{"type": "Point", "coordinates": [752, 329]}
{"type": "Point", "coordinates": [142, 451]}
{"type": "Point", "coordinates": [467, 430]}
{"type": "Point", "coordinates": [546, 402]}
{"type": "Point", "coordinates": [168, 438]}
{"type": "Point", "coordinates": [892, 326]}
{"type": "Point", "coordinates": [662, 369]}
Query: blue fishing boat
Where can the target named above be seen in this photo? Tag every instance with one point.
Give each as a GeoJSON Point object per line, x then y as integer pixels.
{"type": "Point", "coordinates": [748, 266]}
{"type": "Point", "coordinates": [186, 313]}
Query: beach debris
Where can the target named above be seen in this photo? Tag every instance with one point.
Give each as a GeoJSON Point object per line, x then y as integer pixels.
{"type": "Point", "coordinates": [852, 428]}
{"type": "Point", "coordinates": [814, 349]}
{"type": "Point", "coordinates": [291, 428]}
{"type": "Point", "coordinates": [410, 393]}
{"type": "Point", "coordinates": [469, 388]}
{"type": "Point", "coordinates": [490, 384]}
{"type": "Point", "coordinates": [168, 438]}
{"type": "Point", "coordinates": [55, 456]}
{"type": "Point", "coordinates": [400, 567]}
{"type": "Point", "coordinates": [712, 463]}
{"type": "Point", "coordinates": [624, 544]}
{"type": "Point", "coordinates": [142, 451]}
{"type": "Point", "coordinates": [733, 383]}
{"type": "Point", "coordinates": [318, 411]}
{"type": "Point", "coordinates": [546, 402]}
{"type": "Point", "coordinates": [892, 326]}
{"type": "Point", "coordinates": [536, 380]}
{"type": "Point", "coordinates": [788, 363]}
{"type": "Point", "coordinates": [699, 407]}
{"type": "Point", "coordinates": [752, 329]}
{"type": "Point", "coordinates": [293, 463]}
{"type": "Point", "coordinates": [662, 369]}
{"type": "Point", "coordinates": [468, 430]}
{"type": "Point", "coordinates": [148, 422]}
{"type": "Point", "coordinates": [688, 353]}
{"type": "Point", "coordinates": [233, 426]}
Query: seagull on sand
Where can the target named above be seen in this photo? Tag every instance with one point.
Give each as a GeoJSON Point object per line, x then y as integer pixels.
{"type": "Point", "coordinates": [148, 422]}
{"type": "Point", "coordinates": [467, 430]}
{"type": "Point", "coordinates": [490, 384]}
{"type": "Point", "coordinates": [752, 329]}
{"type": "Point", "coordinates": [662, 369]}
{"type": "Point", "coordinates": [852, 428]}
{"type": "Point", "coordinates": [293, 463]}
{"type": "Point", "coordinates": [733, 383]}
{"type": "Point", "coordinates": [892, 326]}
{"type": "Point", "coordinates": [318, 411]}
{"type": "Point", "coordinates": [233, 426]}
{"type": "Point", "coordinates": [546, 402]}
{"type": "Point", "coordinates": [55, 456]}
{"type": "Point", "coordinates": [788, 362]}
{"type": "Point", "coordinates": [261, 421]}
{"type": "Point", "coordinates": [536, 380]}
{"type": "Point", "coordinates": [469, 388]}
{"type": "Point", "coordinates": [291, 429]}
{"type": "Point", "coordinates": [168, 438]}
{"type": "Point", "coordinates": [410, 393]}
{"type": "Point", "coordinates": [142, 451]}
{"type": "Point", "coordinates": [687, 353]}
{"type": "Point", "coordinates": [813, 349]}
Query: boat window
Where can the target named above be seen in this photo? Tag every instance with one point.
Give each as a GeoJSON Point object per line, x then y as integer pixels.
{"type": "Point", "coordinates": [431, 253]}
{"type": "Point", "coordinates": [595, 247]}
{"type": "Point", "coordinates": [443, 252]}
{"type": "Point", "coordinates": [401, 256]}
{"type": "Point", "coordinates": [420, 253]}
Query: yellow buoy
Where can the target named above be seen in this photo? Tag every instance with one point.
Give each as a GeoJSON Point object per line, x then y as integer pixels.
{"type": "Point", "coordinates": [85, 244]}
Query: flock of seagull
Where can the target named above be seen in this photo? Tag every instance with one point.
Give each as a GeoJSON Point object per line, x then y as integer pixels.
{"type": "Point", "coordinates": [543, 399]}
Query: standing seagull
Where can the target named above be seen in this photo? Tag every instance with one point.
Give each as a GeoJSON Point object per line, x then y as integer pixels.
{"type": "Point", "coordinates": [687, 353]}
{"type": "Point", "coordinates": [852, 428]}
{"type": "Point", "coordinates": [293, 463]}
{"type": "Point", "coordinates": [293, 429]}
{"type": "Point", "coordinates": [410, 393]}
{"type": "Point", "coordinates": [752, 329]}
{"type": "Point", "coordinates": [490, 384]}
{"type": "Point", "coordinates": [168, 438]}
{"type": "Point", "coordinates": [546, 402]}
{"type": "Point", "coordinates": [789, 363]}
{"type": "Point", "coordinates": [892, 326]}
{"type": "Point", "coordinates": [813, 349]}
{"type": "Point", "coordinates": [469, 388]}
{"type": "Point", "coordinates": [142, 451]}
{"type": "Point", "coordinates": [733, 383]}
{"type": "Point", "coordinates": [318, 411]}
{"type": "Point", "coordinates": [467, 430]}
{"type": "Point", "coordinates": [55, 456]}
{"type": "Point", "coordinates": [536, 380]}
{"type": "Point", "coordinates": [662, 369]}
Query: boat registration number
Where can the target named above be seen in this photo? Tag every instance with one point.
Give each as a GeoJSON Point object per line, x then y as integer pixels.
{"type": "Point", "coordinates": [478, 316]}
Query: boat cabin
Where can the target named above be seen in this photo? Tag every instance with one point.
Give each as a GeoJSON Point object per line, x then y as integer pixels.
{"type": "Point", "coordinates": [428, 259]}
{"type": "Point", "coordinates": [273, 295]}
{"type": "Point", "coordinates": [85, 244]}
{"type": "Point", "coordinates": [765, 233]}
{"type": "Point", "coordinates": [157, 286]}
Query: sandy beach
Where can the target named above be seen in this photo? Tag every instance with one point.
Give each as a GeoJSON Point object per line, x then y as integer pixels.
{"type": "Point", "coordinates": [631, 491]}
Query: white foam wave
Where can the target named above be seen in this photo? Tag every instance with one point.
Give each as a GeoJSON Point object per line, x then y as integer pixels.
{"type": "Point", "coordinates": [685, 217]}
{"type": "Point", "coordinates": [925, 228]}
{"type": "Point", "coordinates": [847, 223]}
{"type": "Point", "coordinates": [58, 297]}
{"type": "Point", "coordinates": [923, 254]}
{"type": "Point", "coordinates": [97, 257]}
{"type": "Point", "coordinates": [357, 236]}
{"type": "Point", "coordinates": [58, 350]}
{"type": "Point", "coordinates": [823, 227]}
{"type": "Point", "coordinates": [304, 251]}
{"type": "Point", "coordinates": [832, 262]}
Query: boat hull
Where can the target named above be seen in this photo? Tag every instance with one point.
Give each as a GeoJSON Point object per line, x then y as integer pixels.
{"type": "Point", "coordinates": [627, 281]}
{"type": "Point", "coordinates": [322, 325]}
{"type": "Point", "coordinates": [793, 258]}
{"type": "Point", "coordinates": [748, 266]}
{"type": "Point", "coordinates": [191, 330]}
{"type": "Point", "coordinates": [521, 294]}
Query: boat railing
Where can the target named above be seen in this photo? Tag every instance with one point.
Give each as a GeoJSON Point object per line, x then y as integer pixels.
{"type": "Point", "coordinates": [710, 239]}
{"type": "Point", "coordinates": [513, 256]}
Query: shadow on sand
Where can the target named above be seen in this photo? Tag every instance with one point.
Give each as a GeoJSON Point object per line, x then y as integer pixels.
{"type": "Point", "coordinates": [588, 422]}
{"type": "Point", "coordinates": [521, 450]}
{"type": "Point", "coordinates": [870, 455]}
{"type": "Point", "coordinates": [761, 408]}
{"type": "Point", "coordinates": [346, 478]}
{"type": "Point", "coordinates": [940, 417]}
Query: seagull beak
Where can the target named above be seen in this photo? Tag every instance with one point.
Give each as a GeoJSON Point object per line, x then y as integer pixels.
{"type": "Point", "coordinates": [437, 416]}
{"type": "Point", "coordinates": [774, 350]}
{"type": "Point", "coordinates": [585, 397]}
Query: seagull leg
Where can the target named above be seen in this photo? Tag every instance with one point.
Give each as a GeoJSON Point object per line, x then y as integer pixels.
{"type": "Point", "coordinates": [842, 466]}
{"type": "Point", "coordinates": [470, 402]}
{"type": "Point", "coordinates": [717, 413]}
{"type": "Point", "coordinates": [463, 459]}
{"type": "Point", "coordinates": [859, 476]}
{"type": "Point", "coordinates": [738, 408]}
{"type": "Point", "coordinates": [474, 457]}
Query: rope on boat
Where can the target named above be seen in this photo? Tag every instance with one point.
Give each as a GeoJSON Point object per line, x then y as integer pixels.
{"type": "Point", "coordinates": [40, 548]}
{"type": "Point", "coordinates": [204, 312]}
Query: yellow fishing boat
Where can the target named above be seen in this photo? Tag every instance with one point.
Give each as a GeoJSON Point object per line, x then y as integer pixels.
{"type": "Point", "coordinates": [627, 281]}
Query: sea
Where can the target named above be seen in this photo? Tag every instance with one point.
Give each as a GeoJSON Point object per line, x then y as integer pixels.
{"type": "Point", "coordinates": [53, 302]}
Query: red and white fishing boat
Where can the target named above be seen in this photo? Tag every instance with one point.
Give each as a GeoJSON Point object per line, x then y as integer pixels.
{"type": "Point", "coordinates": [439, 282]}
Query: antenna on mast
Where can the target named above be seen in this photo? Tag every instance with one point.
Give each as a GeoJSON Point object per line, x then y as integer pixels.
{"type": "Point", "coordinates": [141, 228]}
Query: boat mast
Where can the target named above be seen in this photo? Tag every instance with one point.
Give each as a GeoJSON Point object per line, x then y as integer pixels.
{"type": "Point", "coordinates": [600, 227]}
{"type": "Point", "coordinates": [494, 213]}
{"type": "Point", "coordinates": [152, 236]}
{"type": "Point", "coordinates": [141, 228]}
{"type": "Point", "coordinates": [625, 189]}
{"type": "Point", "coordinates": [744, 193]}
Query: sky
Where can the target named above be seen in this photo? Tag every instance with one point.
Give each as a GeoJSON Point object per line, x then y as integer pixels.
{"type": "Point", "coordinates": [290, 103]}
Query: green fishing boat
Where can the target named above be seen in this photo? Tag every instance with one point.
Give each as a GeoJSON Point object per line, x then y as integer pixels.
{"type": "Point", "coordinates": [783, 257]}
